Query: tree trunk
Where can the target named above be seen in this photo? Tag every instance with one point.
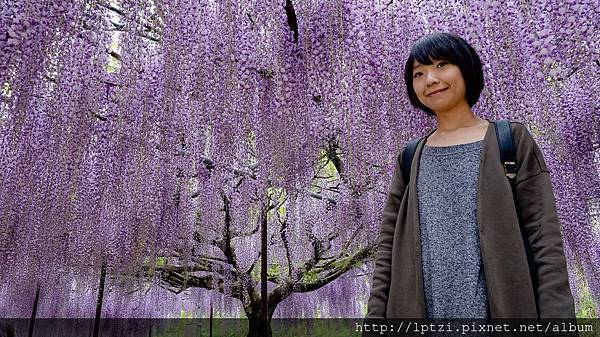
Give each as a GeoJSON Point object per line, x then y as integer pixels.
{"type": "Point", "coordinates": [257, 327]}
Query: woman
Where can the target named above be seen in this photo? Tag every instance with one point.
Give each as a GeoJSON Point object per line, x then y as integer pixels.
{"type": "Point", "coordinates": [450, 244]}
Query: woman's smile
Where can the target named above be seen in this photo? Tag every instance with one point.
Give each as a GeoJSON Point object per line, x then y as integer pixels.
{"type": "Point", "coordinates": [436, 92]}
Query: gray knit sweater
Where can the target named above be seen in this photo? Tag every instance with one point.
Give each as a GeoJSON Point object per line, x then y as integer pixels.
{"type": "Point", "coordinates": [453, 277]}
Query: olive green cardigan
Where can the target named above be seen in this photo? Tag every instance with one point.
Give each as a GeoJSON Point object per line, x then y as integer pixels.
{"type": "Point", "coordinates": [397, 288]}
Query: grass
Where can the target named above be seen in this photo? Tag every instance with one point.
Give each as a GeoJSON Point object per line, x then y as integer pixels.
{"type": "Point", "coordinates": [587, 308]}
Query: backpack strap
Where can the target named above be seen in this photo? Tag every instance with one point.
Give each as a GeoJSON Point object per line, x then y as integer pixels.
{"type": "Point", "coordinates": [508, 157]}
{"type": "Point", "coordinates": [407, 157]}
{"type": "Point", "coordinates": [505, 142]}
{"type": "Point", "coordinates": [507, 149]}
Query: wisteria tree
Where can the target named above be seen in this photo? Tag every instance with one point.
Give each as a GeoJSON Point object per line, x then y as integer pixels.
{"type": "Point", "coordinates": [152, 139]}
{"type": "Point", "coordinates": [306, 253]}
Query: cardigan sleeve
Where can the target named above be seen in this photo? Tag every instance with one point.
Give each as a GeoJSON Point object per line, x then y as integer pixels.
{"type": "Point", "coordinates": [376, 308]}
{"type": "Point", "coordinates": [538, 214]}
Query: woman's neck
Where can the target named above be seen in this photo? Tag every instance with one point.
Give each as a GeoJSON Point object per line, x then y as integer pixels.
{"type": "Point", "coordinates": [450, 122]}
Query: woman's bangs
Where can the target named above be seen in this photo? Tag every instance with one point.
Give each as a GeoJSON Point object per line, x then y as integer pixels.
{"type": "Point", "coordinates": [427, 50]}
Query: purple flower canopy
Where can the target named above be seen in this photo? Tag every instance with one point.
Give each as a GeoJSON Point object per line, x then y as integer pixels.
{"type": "Point", "coordinates": [155, 137]}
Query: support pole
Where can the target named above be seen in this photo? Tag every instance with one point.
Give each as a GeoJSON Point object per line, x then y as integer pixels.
{"type": "Point", "coordinates": [99, 301]}
{"type": "Point", "coordinates": [34, 312]}
{"type": "Point", "coordinates": [263, 274]}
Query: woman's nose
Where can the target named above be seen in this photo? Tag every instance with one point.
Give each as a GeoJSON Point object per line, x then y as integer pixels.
{"type": "Point", "coordinates": [430, 79]}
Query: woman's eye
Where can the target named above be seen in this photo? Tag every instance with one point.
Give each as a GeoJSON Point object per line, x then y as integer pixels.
{"type": "Point", "coordinates": [442, 63]}
{"type": "Point", "coordinates": [416, 74]}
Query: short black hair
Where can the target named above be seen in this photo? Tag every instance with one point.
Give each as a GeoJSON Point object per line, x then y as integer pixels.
{"type": "Point", "coordinates": [451, 48]}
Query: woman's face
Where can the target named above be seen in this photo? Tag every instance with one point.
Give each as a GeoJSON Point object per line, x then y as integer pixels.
{"type": "Point", "coordinates": [429, 79]}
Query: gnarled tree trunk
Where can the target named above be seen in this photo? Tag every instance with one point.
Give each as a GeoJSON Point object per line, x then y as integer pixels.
{"type": "Point", "coordinates": [256, 326]}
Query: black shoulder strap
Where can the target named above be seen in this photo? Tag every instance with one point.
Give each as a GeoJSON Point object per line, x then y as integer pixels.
{"type": "Point", "coordinates": [505, 143]}
{"type": "Point", "coordinates": [508, 157]}
{"type": "Point", "coordinates": [407, 157]}
{"type": "Point", "coordinates": [507, 149]}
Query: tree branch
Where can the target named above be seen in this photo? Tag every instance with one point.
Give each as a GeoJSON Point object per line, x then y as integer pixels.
{"type": "Point", "coordinates": [286, 244]}
{"type": "Point", "coordinates": [291, 18]}
{"type": "Point", "coordinates": [251, 20]}
{"type": "Point", "coordinates": [179, 282]}
{"type": "Point", "coordinates": [360, 256]}
{"type": "Point", "coordinates": [321, 197]}
{"type": "Point", "coordinates": [331, 152]}
{"type": "Point", "coordinates": [388, 4]}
